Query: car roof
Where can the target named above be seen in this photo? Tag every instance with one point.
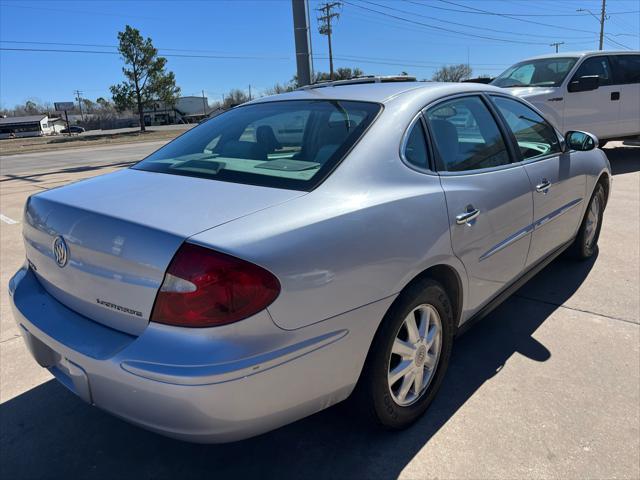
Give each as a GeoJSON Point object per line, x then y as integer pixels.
{"type": "Point", "coordinates": [380, 92]}
{"type": "Point", "coordinates": [587, 53]}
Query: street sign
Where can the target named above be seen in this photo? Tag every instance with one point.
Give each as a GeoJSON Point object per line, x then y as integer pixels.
{"type": "Point", "coordinates": [62, 106]}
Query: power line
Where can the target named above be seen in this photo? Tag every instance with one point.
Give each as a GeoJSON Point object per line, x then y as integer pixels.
{"type": "Point", "coordinates": [450, 22]}
{"type": "Point", "coordinates": [366, 60]}
{"type": "Point", "coordinates": [513, 17]}
{"type": "Point", "coordinates": [67, 44]}
{"type": "Point", "coordinates": [415, 22]}
{"type": "Point", "coordinates": [359, 57]}
{"type": "Point", "coordinates": [510, 14]}
{"type": "Point", "coordinates": [610, 40]}
{"type": "Point", "coordinates": [61, 50]}
{"type": "Point", "coordinates": [81, 12]}
{"type": "Point", "coordinates": [399, 63]}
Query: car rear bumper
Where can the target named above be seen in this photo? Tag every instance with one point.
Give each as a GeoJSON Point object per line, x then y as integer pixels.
{"type": "Point", "coordinates": [204, 385]}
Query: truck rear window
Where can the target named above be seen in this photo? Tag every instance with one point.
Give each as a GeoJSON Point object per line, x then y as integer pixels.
{"type": "Point", "coordinates": [291, 144]}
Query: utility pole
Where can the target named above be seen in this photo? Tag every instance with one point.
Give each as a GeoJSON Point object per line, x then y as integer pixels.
{"type": "Point", "coordinates": [325, 27]}
{"type": "Point", "coordinates": [249, 92]}
{"type": "Point", "coordinates": [603, 13]}
{"type": "Point", "coordinates": [601, 19]}
{"type": "Point", "coordinates": [204, 104]}
{"type": "Point", "coordinates": [79, 98]}
{"type": "Point", "coordinates": [556, 44]}
{"type": "Point", "coordinates": [301, 33]}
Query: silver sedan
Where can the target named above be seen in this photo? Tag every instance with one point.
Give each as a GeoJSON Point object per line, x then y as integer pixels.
{"type": "Point", "coordinates": [299, 248]}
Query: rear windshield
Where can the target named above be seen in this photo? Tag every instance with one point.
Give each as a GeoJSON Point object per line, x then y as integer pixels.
{"type": "Point", "coordinates": [290, 144]}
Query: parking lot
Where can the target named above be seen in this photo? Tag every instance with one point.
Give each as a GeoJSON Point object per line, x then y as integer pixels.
{"type": "Point", "coordinates": [547, 386]}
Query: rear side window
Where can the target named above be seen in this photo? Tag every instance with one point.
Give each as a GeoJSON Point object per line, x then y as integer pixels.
{"type": "Point", "coordinates": [415, 150]}
{"type": "Point", "coordinates": [289, 144]}
{"type": "Point", "coordinates": [628, 68]}
{"type": "Point", "coordinates": [535, 137]}
{"type": "Point", "coordinates": [466, 135]}
{"type": "Point", "coordinates": [595, 66]}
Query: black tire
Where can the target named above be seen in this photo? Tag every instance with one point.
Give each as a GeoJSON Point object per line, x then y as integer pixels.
{"type": "Point", "coordinates": [373, 389]}
{"type": "Point", "coordinates": [585, 245]}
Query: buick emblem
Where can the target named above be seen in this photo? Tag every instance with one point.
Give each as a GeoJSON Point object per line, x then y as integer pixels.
{"type": "Point", "coordinates": [60, 251]}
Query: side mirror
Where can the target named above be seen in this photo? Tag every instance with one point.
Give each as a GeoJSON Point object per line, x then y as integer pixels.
{"type": "Point", "coordinates": [584, 84]}
{"type": "Point", "coordinates": [581, 141]}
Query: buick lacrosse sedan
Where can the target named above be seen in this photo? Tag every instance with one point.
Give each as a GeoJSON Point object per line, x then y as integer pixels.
{"type": "Point", "coordinates": [300, 248]}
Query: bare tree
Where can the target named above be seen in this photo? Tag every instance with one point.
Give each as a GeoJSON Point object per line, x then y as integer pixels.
{"type": "Point", "coordinates": [340, 74]}
{"type": "Point", "coordinates": [281, 88]}
{"type": "Point", "coordinates": [235, 97]}
{"type": "Point", "coordinates": [452, 73]}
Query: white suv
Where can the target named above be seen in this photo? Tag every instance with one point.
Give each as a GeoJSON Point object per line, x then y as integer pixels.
{"type": "Point", "coordinates": [598, 92]}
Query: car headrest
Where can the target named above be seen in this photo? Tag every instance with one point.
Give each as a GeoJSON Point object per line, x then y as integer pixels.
{"type": "Point", "coordinates": [266, 138]}
{"type": "Point", "coordinates": [241, 149]}
{"type": "Point", "coordinates": [446, 138]}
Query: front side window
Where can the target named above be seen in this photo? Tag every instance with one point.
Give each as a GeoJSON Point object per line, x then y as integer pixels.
{"type": "Point", "coordinates": [595, 66]}
{"type": "Point", "coordinates": [535, 137]}
{"type": "Point", "coordinates": [289, 144]}
{"type": "Point", "coordinates": [415, 150]}
{"type": "Point", "coordinates": [544, 72]}
{"type": "Point", "coordinates": [466, 135]}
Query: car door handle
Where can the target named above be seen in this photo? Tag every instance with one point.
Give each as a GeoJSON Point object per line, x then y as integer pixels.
{"type": "Point", "coordinates": [615, 96]}
{"type": "Point", "coordinates": [467, 216]}
{"type": "Point", "coordinates": [543, 187]}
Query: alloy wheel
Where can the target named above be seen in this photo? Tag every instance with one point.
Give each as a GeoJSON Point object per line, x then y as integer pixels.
{"type": "Point", "coordinates": [591, 227]}
{"type": "Point", "coordinates": [414, 355]}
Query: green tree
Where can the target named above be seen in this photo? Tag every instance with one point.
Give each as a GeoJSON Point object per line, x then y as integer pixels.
{"type": "Point", "coordinates": [146, 79]}
{"type": "Point", "coordinates": [452, 73]}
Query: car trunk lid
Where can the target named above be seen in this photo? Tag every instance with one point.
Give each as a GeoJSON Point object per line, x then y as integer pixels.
{"type": "Point", "coordinates": [119, 233]}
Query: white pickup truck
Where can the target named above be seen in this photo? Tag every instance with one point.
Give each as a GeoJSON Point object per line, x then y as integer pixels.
{"type": "Point", "coordinates": [597, 92]}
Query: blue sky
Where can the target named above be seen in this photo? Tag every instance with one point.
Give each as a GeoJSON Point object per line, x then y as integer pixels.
{"type": "Point", "coordinates": [379, 36]}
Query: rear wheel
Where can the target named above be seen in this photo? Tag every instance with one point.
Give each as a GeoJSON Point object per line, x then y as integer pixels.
{"type": "Point", "coordinates": [586, 242]}
{"type": "Point", "coordinates": [409, 356]}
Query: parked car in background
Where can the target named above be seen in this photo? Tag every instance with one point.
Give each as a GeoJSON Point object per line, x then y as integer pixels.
{"type": "Point", "coordinates": [275, 258]}
{"type": "Point", "coordinates": [73, 129]}
{"type": "Point", "coordinates": [598, 92]}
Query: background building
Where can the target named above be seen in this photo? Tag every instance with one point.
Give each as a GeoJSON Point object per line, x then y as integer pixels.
{"type": "Point", "coordinates": [30, 126]}
{"type": "Point", "coordinates": [186, 110]}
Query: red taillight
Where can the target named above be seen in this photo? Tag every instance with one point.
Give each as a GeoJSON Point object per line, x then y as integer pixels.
{"type": "Point", "coordinates": [205, 288]}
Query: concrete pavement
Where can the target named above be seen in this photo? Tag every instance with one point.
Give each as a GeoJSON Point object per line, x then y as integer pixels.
{"type": "Point", "coordinates": [547, 386]}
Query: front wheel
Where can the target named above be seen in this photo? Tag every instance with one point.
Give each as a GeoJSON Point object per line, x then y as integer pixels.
{"type": "Point", "coordinates": [409, 355]}
{"type": "Point", "coordinates": [586, 242]}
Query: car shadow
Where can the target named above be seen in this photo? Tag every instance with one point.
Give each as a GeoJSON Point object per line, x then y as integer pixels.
{"type": "Point", "coordinates": [36, 177]}
{"type": "Point", "coordinates": [48, 432]}
{"type": "Point", "coordinates": [624, 159]}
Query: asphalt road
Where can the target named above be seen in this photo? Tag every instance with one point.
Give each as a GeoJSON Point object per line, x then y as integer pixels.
{"type": "Point", "coordinates": [548, 386]}
{"type": "Point", "coordinates": [26, 166]}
